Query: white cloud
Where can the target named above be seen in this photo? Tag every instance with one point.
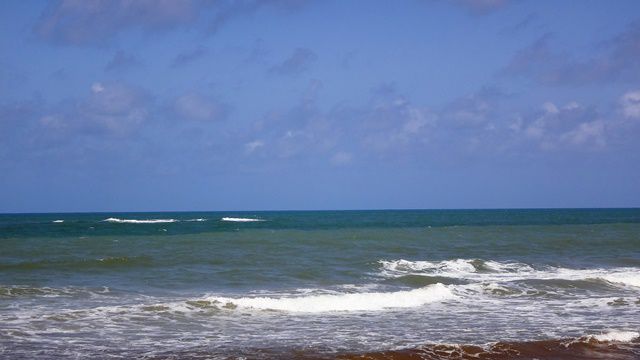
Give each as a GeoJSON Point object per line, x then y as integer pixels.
{"type": "Point", "coordinates": [194, 106]}
{"type": "Point", "coordinates": [592, 132]}
{"type": "Point", "coordinates": [253, 145]}
{"type": "Point", "coordinates": [54, 122]}
{"type": "Point", "coordinates": [97, 87]}
{"type": "Point", "coordinates": [83, 22]}
{"type": "Point", "coordinates": [630, 103]}
{"type": "Point", "coordinates": [341, 158]}
{"type": "Point", "coordinates": [417, 120]}
{"type": "Point", "coordinates": [516, 124]}
{"type": "Point", "coordinates": [550, 107]}
{"type": "Point", "coordinates": [573, 105]}
{"type": "Point", "coordinates": [114, 109]}
{"type": "Point", "coordinates": [536, 129]}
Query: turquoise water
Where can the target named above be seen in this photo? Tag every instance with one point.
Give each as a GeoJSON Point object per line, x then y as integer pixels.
{"type": "Point", "coordinates": [139, 284]}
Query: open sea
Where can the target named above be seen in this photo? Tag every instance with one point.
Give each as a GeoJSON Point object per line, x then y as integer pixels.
{"type": "Point", "coordinates": [399, 284]}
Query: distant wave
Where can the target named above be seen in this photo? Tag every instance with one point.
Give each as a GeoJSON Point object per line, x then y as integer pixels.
{"type": "Point", "coordinates": [372, 301]}
{"type": "Point", "coordinates": [197, 220]}
{"type": "Point", "coordinates": [134, 221]}
{"type": "Point", "coordinates": [58, 221]}
{"type": "Point", "coordinates": [235, 219]}
{"type": "Point", "coordinates": [496, 271]}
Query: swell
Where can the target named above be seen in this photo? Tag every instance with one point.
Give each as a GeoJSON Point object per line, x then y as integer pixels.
{"type": "Point", "coordinates": [81, 263]}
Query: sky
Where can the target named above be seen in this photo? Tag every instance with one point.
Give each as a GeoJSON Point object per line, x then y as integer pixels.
{"type": "Point", "coordinates": [185, 105]}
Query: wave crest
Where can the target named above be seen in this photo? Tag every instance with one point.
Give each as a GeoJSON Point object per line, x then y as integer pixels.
{"type": "Point", "coordinates": [620, 336]}
{"type": "Point", "coordinates": [236, 219]}
{"type": "Point", "coordinates": [496, 271]}
{"type": "Point", "coordinates": [453, 267]}
{"type": "Point", "coordinates": [373, 301]}
{"type": "Point", "coordinates": [134, 221]}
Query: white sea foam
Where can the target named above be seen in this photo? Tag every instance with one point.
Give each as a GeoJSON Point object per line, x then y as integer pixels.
{"type": "Point", "coordinates": [625, 277]}
{"type": "Point", "coordinates": [196, 220]}
{"type": "Point", "coordinates": [134, 221]}
{"type": "Point", "coordinates": [452, 268]}
{"type": "Point", "coordinates": [58, 221]}
{"type": "Point", "coordinates": [495, 271]}
{"type": "Point", "coordinates": [235, 219]}
{"type": "Point", "coordinates": [622, 336]}
{"type": "Point", "coordinates": [372, 301]}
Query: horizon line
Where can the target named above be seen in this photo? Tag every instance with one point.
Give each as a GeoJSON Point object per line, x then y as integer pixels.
{"type": "Point", "coordinates": [321, 210]}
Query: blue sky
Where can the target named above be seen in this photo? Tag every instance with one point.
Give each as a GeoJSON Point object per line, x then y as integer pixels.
{"type": "Point", "coordinates": [289, 104]}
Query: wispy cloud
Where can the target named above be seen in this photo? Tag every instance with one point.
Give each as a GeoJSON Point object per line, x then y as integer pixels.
{"type": "Point", "coordinates": [341, 158]}
{"type": "Point", "coordinates": [108, 110]}
{"type": "Point", "coordinates": [298, 62]}
{"type": "Point", "coordinates": [196, 106]}
{"type": "Point", "coordinates": [482, 7]}
{"type": "Point", "coordinates": [93, 22]}
{"type": "Point", "coordinates": [96, 22]}
{"type": "Point", "coordinates": [630, 104]}
{"type": "Point", "coordinates": [189, 56]}
{"type": "Point", "coordinates": [532, 20]}
{"type": "Point", "coordinates": [485, 124]}
{"type": "Point", "coordinates": [229, 10]}
{"type": "Point", "coordinates": [121, 61]}
{"type": "Point", "coordinates": [615, 60]}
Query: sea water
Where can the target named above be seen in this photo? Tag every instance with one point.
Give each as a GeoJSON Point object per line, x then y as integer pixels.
{"type": "Point", "coordinates": [326, 283]}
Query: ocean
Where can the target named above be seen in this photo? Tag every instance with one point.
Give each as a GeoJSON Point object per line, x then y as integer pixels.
{"type": "Point", "coordinates": [396, 284]}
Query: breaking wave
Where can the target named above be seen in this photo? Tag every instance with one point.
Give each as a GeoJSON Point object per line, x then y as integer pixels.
{"type": "Point", "coordinates": [235, 219]}
{"type": "Point", "coordinates": [492, 271]}
{"type": "Point", "coordinates": [622, 336]}
{"type": "Point", "coordinates": [134, 221]}
{"type": "Point", "coordinates": [372, 301]}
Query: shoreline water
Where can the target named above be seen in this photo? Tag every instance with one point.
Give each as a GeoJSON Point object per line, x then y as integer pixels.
{"type": "Point", "coordinates": [582, 348]}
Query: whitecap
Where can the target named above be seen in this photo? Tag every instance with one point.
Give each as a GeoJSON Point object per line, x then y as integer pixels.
{"type": "Point", "coordinates": [235, 219]}
{"type": "Point", "coordinates": [58, 221]}
{"type": "Point", "coordinates": [492, 271]}
{"type": "Point", "coordinates": [134, 221]}
{"type": "Point", "coordinates": [372, 301]}
{"type": "Point", "coordinates": [624, 277]}
{"type": "Point", "coordinates": [497, 271]}
{"type": "Point", "coordinates": [621, 336]}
